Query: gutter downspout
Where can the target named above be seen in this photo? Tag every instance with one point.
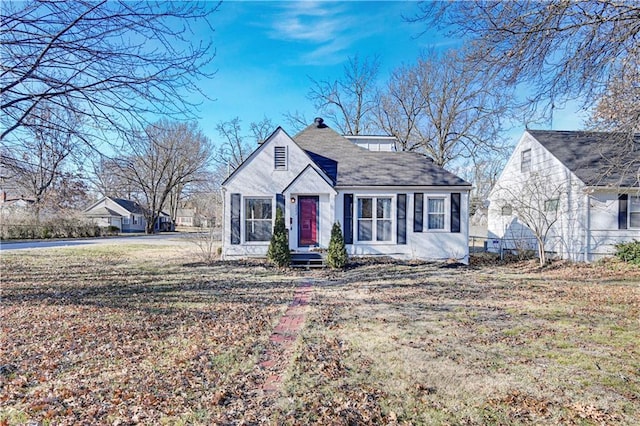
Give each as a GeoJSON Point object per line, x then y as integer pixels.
{"type": "Point", "coordinates": [224, 222]}
{"type": "Point", "coordinates": [587, 227]}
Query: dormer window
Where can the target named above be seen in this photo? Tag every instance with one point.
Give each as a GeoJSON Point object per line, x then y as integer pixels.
{"type": "Point", "coordinates": [280, 158]}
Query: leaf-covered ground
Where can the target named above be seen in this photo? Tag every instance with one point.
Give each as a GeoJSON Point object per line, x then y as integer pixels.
{"type": "Point", "coordinates": [139, 335]}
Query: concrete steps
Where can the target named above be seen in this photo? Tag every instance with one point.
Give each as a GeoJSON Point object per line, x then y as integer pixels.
{"type": "Point", "coordinates": [308, 260]}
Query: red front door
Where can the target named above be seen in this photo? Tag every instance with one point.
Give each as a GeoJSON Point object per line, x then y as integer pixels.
{"type": "Point", "coordinates": [308, 221]}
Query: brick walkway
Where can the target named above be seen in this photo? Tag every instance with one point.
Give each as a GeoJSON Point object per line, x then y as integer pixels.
{"type": "Point", "coordinates": [277, 357]}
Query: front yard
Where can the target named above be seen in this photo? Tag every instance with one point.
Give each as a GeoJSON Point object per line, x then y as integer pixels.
{"type": "Point", "coordinates": [141, 334]}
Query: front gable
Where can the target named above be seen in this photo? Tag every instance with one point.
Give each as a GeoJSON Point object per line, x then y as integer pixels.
{"type": "Point", "coordinates": [310, 181]}
{"type": "Point", "coordinates": [530, 159]}
{"type": "Point", "coordinates": [270, 168]}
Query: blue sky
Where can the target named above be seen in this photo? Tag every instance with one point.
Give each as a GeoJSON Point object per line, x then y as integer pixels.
{"type": "Point", "coordinates": [267, 51]}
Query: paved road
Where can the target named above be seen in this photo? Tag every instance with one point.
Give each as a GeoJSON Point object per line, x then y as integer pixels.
{"type": "Point", "coordinates": [169, 238]}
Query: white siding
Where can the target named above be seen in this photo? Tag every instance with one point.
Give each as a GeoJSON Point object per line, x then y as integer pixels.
{"type": "Point", "coordinates": [258, 178]}
{"type": "Point", "coordinates": [435, 245]}
{"type": "Point", "coordinates": [587, 224]}
{"type": "Point", "coordinates": [604, 233]}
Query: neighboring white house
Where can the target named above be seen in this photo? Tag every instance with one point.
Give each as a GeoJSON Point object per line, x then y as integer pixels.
{"type": "Point", "coordinates": [397, 204]}
{"type": "Point", "coordinates": [582, 186]}
{"type": "Point", "coordinates": [126, 215]}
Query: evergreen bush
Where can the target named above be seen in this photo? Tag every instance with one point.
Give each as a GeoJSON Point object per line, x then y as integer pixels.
{"type": "Point", "coordinates": [278, 252]}
{"type": "Point", "coordinates": [337, 254]}
{"type": "Point", "coordinates": [629, 252]}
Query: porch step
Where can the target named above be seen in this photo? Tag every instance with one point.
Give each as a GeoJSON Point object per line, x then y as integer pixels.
{"type": "Point", "coordinates": [308, 260]}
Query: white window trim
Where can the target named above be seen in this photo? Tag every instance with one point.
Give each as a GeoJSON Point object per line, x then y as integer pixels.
{"type": "Point", "coordinates": [374, 231]}
{"type": "Point", "coordinates": [447, 213]}
{"type": "Point", "coordinates": [631, 211]}
{"type": "Point", "coordinates": [243, 218]}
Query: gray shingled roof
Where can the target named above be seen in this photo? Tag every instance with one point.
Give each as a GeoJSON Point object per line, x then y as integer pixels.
{"type": "Point", "coordinates": [597, 158]}
{"type": "Point", "coordinates": [102, 212]}
{"type": "Point", "coordinates": [349, 165]}
{"type": "Point", "coordinates": [130, 206]}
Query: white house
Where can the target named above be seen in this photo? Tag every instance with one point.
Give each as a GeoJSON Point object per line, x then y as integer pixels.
{"type": "Point", "coordinates": [580, 186]}
{"type": "Point", "coordinates": [126, 215]}
{"type": "Point", "coordinates": [388, 203]}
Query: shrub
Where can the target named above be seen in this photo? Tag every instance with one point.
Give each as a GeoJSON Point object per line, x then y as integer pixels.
{"type": "Point", "coordinates": [337, 253]}
{"type": "Point", "coordinates": [278, 252]}
{"type": "Point", "coordinates": [629, 252]}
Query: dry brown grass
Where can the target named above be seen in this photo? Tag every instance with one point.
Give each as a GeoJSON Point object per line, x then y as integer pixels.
{"type": "Point", "coordinates": [141, 334]}
{"type": "Point", "coordinates": [500, 344]}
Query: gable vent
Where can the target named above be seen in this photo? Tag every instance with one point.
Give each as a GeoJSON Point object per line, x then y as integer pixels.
{"type": "Point", "coordinates": [280, 157]}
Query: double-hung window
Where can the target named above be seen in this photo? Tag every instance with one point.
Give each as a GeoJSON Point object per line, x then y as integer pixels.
{"type": "Point", "coordinates": [634, 212]}
{"type": "Point", "coordinates": [435, 213]}
{"type": "Point", "coordinates": [375, 219]}
{"type": "Point", "coordinates": [258, 219]}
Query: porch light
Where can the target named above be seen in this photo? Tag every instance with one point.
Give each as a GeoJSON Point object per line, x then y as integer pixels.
{"type": "Point", "coordinates": [293, 200]}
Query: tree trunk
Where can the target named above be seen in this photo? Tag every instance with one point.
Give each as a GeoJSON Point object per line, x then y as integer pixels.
{"type": "Point", "coordinates": [541, 253]}
{"type": "Point", "coordinates": [150, 225]}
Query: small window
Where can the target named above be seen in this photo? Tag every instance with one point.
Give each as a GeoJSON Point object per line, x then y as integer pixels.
{"type": "Point", "coordinates": [634, 212]}
{"type": "Point", "coordinates": [280, 157]}
{"type": "Point", "coordinates": [551, 205]}
{"type": "Point", "coordinates": [525, 163]}
{"type": "Point", "coordinates": [506, 210]}
{"type": "Point", "coordinates": [435, 213]}
{"type": "Point", "coordinates": [258, 223]}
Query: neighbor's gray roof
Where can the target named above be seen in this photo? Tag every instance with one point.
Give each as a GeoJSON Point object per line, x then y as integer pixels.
{"type": "Point", "coordinates": [102, 212]}
{"type": "Point", "coordinates": [130, 206]}
{"type": "Point", "coordinates": [597, 158]}
{"type": "Point", "coordinates": [350, 165]}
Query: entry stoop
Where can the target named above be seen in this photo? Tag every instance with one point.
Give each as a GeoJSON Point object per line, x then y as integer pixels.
{"type": "Point", "coordinates": [308, 260]}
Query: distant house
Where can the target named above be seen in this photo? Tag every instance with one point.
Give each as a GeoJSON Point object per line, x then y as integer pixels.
{"type": "Point", "coordinates": [398, 204]}
{"type": "Point", "coordinates": [587, 193]}
{"type": "Point", "coordinates": [192, 217]}
{"type": "Point", "coordinates": [15, 202]}
{"type": "Point", "coordinates": [126, 215]}
{"type": "Point", "coordinates": [186, 217]}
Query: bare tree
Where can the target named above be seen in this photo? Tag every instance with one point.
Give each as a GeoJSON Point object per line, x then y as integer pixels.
{"type": "Point", "coordinates": [296, 121]}
{"type": "Point", "coordinates": [166, 157]}
{"type": "Point", "coordinates": [444, 107]}
{"type": "Point", "coordinates": [111, 63]}
{"type": "Point", "coordinates": [619, 107]}
{"type": "Point", "coordinates": [401, 106]}
{"type": "Point", "coordinates": [261, 130]}
{"type": "Point", "coordinates": [349, 102]}
{"type": "Point", "coordinates": [105, 180]}
{"type": "Point", "coordinates": [38, 162]}
{"type": "Point", "coordinates": [233, 149]}
{"type": "Point", "coordinates": [538, 203]}
{"type": "Point", "coordinates": [561, 50]}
